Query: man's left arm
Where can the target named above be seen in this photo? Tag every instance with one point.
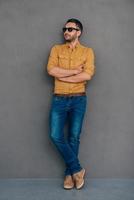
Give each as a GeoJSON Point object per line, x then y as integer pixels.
{"type": "Point", "coordinates": [83, 76]}
{"type": "Point", "coordinates": [87, 73]}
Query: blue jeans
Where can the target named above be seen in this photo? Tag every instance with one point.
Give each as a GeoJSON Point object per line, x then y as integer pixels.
{"type": "Point", "coordinates": [71, 108]}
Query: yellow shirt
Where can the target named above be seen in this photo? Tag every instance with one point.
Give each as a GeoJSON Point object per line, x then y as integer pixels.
{"type": "Point", "coordinates": [65, 57]}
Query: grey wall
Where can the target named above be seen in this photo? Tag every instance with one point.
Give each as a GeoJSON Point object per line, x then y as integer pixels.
{"type": "Point", "coordinates": [28, 29]}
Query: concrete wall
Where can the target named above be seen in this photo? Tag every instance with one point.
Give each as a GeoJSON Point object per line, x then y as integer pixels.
{"type": "Point", "coordinates": [28, 29]}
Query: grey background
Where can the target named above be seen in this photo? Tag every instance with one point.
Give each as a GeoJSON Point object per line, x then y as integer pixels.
{"type": "Point", "coordinates": [28, 29]}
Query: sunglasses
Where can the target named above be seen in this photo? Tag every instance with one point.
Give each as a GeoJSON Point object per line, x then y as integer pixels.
{"type": "Point", "coordinates": [70, 29]}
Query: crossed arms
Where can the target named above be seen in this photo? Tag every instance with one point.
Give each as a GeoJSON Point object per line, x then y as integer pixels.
{"type": "Point", "coordinates": [70, 75]}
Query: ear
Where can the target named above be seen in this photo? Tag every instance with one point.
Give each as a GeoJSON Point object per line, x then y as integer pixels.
{"type": "Point", "coordinates": [78, 33]}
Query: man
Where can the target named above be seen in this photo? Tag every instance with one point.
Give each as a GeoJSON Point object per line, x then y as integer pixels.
{"type": "Point", "coordinates": [72, 65]}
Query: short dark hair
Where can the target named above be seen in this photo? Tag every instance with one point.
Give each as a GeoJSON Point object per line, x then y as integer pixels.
{"type": "Point", "coordinates": [77, 22]}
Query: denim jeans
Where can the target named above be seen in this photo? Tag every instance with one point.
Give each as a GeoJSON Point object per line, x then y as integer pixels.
{"type": "Point", "coordinates": [71, 108]}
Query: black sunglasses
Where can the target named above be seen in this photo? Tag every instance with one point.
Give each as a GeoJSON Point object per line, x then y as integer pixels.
{"type": "Point", "coordinates": [70, 29]}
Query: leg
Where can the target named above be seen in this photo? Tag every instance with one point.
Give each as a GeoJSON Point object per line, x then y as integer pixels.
{"type": "Point", "coordinates": [76, 116]}
{"type": "Point", "coordinates": [58, 116]}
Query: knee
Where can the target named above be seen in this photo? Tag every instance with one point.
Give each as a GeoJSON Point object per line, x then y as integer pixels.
{"type": "Point", "coordinates": [55, 138]}
{"type": "Point", "coordinates": [52, 136]}
{"type": "Point", "coordinates": [74, 139]}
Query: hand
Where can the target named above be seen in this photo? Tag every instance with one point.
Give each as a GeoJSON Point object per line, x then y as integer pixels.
{"type": "Point", "coordinates": [79, 69]}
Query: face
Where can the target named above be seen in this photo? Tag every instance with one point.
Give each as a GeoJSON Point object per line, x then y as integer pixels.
{"type": "Point", "coordinates": [73, 35]}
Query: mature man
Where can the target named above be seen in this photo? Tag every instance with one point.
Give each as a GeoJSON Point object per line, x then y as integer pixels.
{"type": "Point", "coordinates": [72, 65]}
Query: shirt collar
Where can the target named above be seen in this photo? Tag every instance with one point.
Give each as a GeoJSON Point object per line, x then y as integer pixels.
{"type": "Point", "coordinates": [77, 45]}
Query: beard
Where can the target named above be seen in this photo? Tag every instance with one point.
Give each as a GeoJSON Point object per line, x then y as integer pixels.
{"type": "Point", "coordinates": [69, 38]}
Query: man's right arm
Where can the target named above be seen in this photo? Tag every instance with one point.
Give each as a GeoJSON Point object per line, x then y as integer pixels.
{"type": "Point", "coordinates": [59, 72]}
{"type": "Point", "coordinates": [56, 71]}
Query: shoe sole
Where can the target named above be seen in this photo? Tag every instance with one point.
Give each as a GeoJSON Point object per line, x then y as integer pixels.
{"type": "Point", "coordinates": [68, 188]}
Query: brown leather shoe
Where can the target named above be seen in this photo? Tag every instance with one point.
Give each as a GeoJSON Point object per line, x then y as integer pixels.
{"type": "Point", "coordinates": [68, 182]}
{"type": "Point", "coordinates": [79, 179]}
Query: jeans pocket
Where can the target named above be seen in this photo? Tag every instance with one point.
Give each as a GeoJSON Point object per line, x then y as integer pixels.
{"type": "Point", "coordinates": [83, 98]}
{"type": "Point", "coordinates": [57, 98]}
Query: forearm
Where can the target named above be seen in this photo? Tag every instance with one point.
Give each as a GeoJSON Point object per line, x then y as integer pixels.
{"type": "Point", "coordinates": [83, 76]}
{"type": "Point", "coordinates": [60, 72]}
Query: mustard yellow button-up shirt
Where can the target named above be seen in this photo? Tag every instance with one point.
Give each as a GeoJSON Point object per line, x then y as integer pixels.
{"type": "Point", "coordinates": [67, 58]}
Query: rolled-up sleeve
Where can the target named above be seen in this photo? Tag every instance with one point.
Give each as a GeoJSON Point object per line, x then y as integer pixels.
{"type": "Point", "coordinates": [89, 64]}
{"type": "Point", "coordinates": [53, 58]}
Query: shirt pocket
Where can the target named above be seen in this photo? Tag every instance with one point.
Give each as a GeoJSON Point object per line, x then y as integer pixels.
{"type": "Point", "coordinates": [80, 60]}
{"type": "Point", "coordinates": [63, 60]}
